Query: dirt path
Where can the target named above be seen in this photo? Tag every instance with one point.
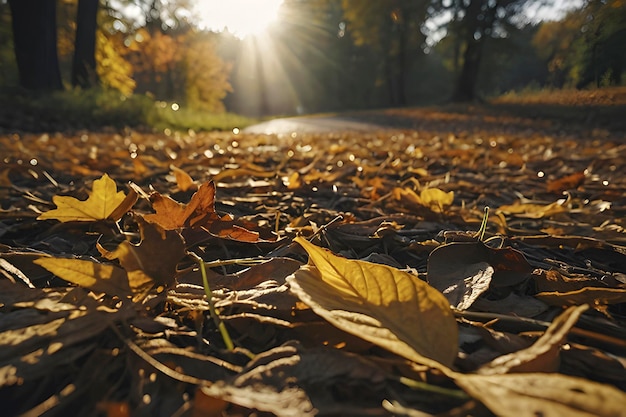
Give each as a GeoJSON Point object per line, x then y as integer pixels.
{"type": "Point", "coordinates": [570, 122]}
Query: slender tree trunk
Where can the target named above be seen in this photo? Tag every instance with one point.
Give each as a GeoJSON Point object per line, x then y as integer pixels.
{"type": "Point", "coordinates": [480, 16]}
{"type": "Point", "coordinates": [465, 89]}
{"type": "Point", "coordinates": [402, 65]}
{"type": "Point", "coordinates": [35, 43]}
{"type": "Point", "coordinates": [84, 66]}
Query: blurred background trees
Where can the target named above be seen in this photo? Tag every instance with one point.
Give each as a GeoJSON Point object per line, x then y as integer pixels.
{"type": "Point", "coordinates": [320, 55]}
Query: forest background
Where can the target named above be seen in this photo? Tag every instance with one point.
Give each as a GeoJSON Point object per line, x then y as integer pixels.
{"type": "Point", "coordinates": [123, 62]}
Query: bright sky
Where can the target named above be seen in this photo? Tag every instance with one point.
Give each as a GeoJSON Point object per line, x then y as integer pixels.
{"type": "Point", "coordinates": [241, 17]}
{"type": "Point", "coordinates": [553, 11]}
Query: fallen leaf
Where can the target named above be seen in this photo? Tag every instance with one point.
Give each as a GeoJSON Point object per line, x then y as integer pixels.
{"type": "Point", "coordinates": [125, 206]}
{"type": "Point", "coordinates": [436, 199]}
{"type": "Point", "coordinates": [543, 355]}
{"type": "Point", "coordinates": [183, 180]}
{"type": "Point", "coordinates": [95, 276]}
{"type": "Point", "coordinates": [381, 304]}
{"type": "Point", "coordinates": [566, 183]}
{"type": "Point", "coordinates": [102, 202]}
{"type": "Point", "coordinates": [463, 271]}
{"type": "Point", "coordinates": [532, 211]}
{"type": "Point", "coordinates": [151, 262]}
{"type": "Point", "coordinates": [541, 394]}
{"type": "Point", "coordinates": [240, 230]}
{"type": "Point", "coordinates": [172, 215]}
{"type": "Point", "coordinates": [433, 199]}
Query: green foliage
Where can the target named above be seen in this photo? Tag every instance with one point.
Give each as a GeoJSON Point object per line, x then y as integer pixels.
{"type": "Point", "coordinates": [163, 117]}
{"type": "Point", "coordinates": [98, 108]}
{"type": "Point", "coordinates": [587, 46]}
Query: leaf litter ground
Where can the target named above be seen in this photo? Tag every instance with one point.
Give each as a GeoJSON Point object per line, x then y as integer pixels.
{"type": "Point", "coordinates": [420, 303]}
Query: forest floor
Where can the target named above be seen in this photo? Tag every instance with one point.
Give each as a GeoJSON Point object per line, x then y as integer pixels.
{"type": "Point", "coordinates": [475, 265]}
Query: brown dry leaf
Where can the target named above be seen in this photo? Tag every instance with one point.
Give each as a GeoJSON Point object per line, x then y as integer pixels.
{"type": "Point", "coordinates": [172, 215]}
{"type": "Point", "coordinates": [543, 355]}
{"type": "Point", "coordinates": [553, 281]}
{"type": "Point", "coordinates": [183, 180]}
{"type": "Point", "coordinates": [207, 405]}
{"type": "Point", "coordinates": [463, 271]}
{"type": "Point", "coordinates": [151, 262]}
{"type": "Point", "coordinates": [239, 230]}
{"type": "Point", "coordinates": [381, 304]}
{"type": "Point", "coordinates": [95, 276]}
{"type": "Point", "coordinates": [125, 205]}
{"type": "Point", "coordinates": [566, 183]}
{"type": "Point", "coordinates": [541, 394]}
{"type": "Point", "coordinates": [103, 200]}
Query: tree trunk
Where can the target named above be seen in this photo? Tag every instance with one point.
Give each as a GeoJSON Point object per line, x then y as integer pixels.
{"type": "Point", "coordinates": [465, 89]}
{"type": "Point", "coordinates": [479, 19]}
{"type": "Point", "coordinates": [35, 44]}
{"type": "Point", "coordinates": [84, 65]}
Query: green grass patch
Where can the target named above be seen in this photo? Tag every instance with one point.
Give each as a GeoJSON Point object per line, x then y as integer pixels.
{"type": "Point", "coordinates": [171, 115]}
{"type": "Point", "coordinates": [98, 108]}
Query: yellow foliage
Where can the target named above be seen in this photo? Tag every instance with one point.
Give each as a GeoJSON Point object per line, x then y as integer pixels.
{"type": "Point", "coordinates": [113, 70]}
{"type": "Point", "coordinates": [206, 75]}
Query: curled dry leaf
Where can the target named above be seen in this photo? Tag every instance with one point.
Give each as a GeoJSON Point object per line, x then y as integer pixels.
{"type": "Point", "coordinates": [542, 394]}
{"type": "Point", "coordinates": [103, 201]}
{"type": "Point", "coordinates": [543, 355]}
{"type": "Point", "coordinates": [183, 180]}
{"type": "Point", "coordinates": [463, 271]}
{"type": "Point", "coordinates": [383, 305]}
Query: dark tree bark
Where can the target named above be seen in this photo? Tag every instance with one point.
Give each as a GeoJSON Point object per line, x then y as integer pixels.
{"type": "Point", "coordinates": [35, 43]}
{"type": "Point", "coordinates": [84, 65]}
{"type": "Point", "coordinates": [478, 22]}
{"type": "Point", "coordinates": [465, 89]}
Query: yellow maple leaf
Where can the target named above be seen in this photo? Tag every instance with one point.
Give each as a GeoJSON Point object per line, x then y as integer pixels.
{"type": "Point", "coordinates": [102, 202]}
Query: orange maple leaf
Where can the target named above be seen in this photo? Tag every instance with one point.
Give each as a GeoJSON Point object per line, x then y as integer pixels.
{"type": "Point", "coordinates": [171, 214]}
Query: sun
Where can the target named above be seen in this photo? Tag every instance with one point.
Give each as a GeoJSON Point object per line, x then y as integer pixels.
{"type": "Point", "coordinates": [242, 18]}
